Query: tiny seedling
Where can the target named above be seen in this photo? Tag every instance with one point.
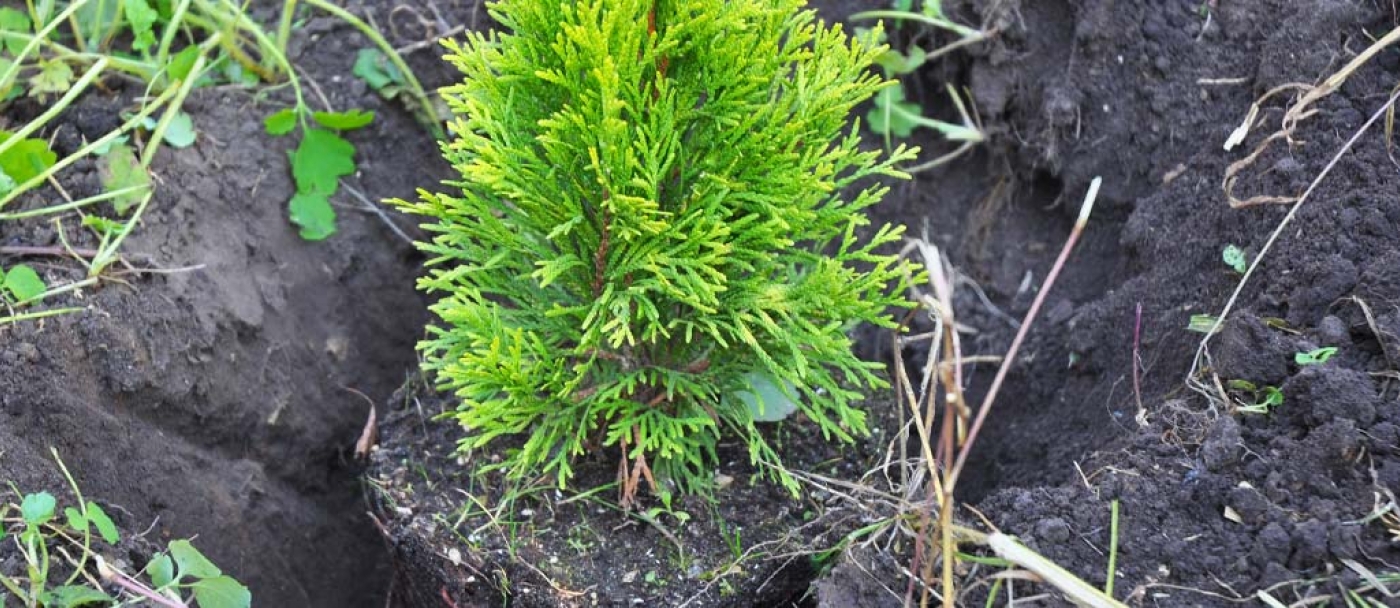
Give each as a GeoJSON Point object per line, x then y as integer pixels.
{"type": "Point", "coordinates": [1316, 356]}
{"type": "Point", "coordinates": [1234, 258]}
{"type": "Point", "coordinates": [892, 115]}
{"type": "Point", "coordinates": [1202, 324]}
{"type": "Point", "coordinates": [1257, 400]}
{"type": "Point", "coordinates": [319, 161]}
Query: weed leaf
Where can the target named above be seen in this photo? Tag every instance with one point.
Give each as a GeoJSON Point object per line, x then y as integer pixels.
{"type": "Point", "coordinates": [892, 114]}
{"type": "Point", "coordinates": [222, 592]}
{"type": "Point", "coordinates": [26, 159]}
{"type": "Point", "coordinates": [12, 20]}
{"type": "Point", "coordinates": [767, 402]}
{"type": "Point", "coordinates": [37, 509]}
{"type": "Point", "coordinates": [73, 596]}
{"type": "Point", "coordinates": [344, 121]}
{"type": "Point", "coordinates": [121, 170]}
{"type": "Point", "coordinates": [54, 76]}
{"type": "Point", "coordinates": [192, 562]}
{"type": "Point", "coordinates": [180, 132]}
{"type": "Point", "coordinates": [281, 123]}
{"type": "Point", "coordinates": [24, 284]}
{"type": "Point", "coordinates": [142, 19]}
{"type": "Point", "coordinates": [312, 211]}
{"type": "Point", "coordinates": [161, 570]}
{"type": "Point", "coordinates": [373, 67]}
{"type": "Point", "coordinates": [1316, 356]}
{"type": "Point", "coordinates": [76, 520]}
{"type": "Point", "coordinates": [104, 524]}
{"type": "Point", "coordinates": [321, 160]}
{"type": "Point", "coordinates": [183, 62]}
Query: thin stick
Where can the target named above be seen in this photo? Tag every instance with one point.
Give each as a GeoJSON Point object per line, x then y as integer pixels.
{"type": "Point", "coordinates": [1006, 363]}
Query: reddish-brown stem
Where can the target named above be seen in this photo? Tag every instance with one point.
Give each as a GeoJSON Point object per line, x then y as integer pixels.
{"type": "Point", "coordinates": [1026, 323]}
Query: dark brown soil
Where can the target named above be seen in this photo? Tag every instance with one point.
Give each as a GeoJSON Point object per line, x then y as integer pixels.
{"type": "Point", "coordinates": [214, 401]}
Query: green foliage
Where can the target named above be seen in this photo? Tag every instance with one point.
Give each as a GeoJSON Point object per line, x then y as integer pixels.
{"type": "Point", "coordinates": [318, 163]}
{"type": "Point", "coordinates": [1234, 258]}
{"type": "Point", "coordinates": [1203, 324]}
{"type": "Point", "coordinates": [23, 159]}
{"type": "Point", "coordinates": [39, 536]}
{"type": "Point", "coordinates": [1316, 356]}
{"type": "Point", "coordinates": [121, 171]}
{"type": "Point", "coordinates": [1255, 399]}
{"type": "Point", "coordinates": [21, 283]}
{"type": "Point", "coordinates": [649, 218]}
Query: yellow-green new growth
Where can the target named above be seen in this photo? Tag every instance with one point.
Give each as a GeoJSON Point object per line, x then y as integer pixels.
{"type": "Point", "coordinates": [658, 211]}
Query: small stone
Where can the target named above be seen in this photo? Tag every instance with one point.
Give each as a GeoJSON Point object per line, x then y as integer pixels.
{"type": "Point", "coordinates": [629, 577]}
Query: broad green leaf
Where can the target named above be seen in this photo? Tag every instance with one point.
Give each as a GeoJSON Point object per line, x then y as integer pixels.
{"type": "Point", "coordinates": [222, 592]}
{"type": "Point", "coordinates": [180, 132]}
{"type": "Point", "coordinates": [896, 62]}
{"type": "Point", "coordinates": [76, 520]}
{"type": "Point", "coordinates": [320, 161]}
{"type": "Point", "coordinates": [26, 159]}
{"type": "Point", "coordinates": [120, 169]}
{"type": "Point", "coordinates": [1316, 356]}
{"type": "Point", "coordinates": [373, 67]}
{"type": "Point", "coordinates": [104, 524]}
{"type": "Point", "coordinates": [37, 509]}
{"type": "Point", "coordinates": [54, 76]}
{"type": "Point", "coordinates": [12, 20]}
{"type": "Point", "coordinates": [344, 121]}
{"type": "Point", "coordinates": [312, 211]}
{"type": "Point", "coordinates": [161, 570]}
{"type": "Point", "coordinates": [183, 62]}
{"type": "Point", "coordinates": [281, 123]}
{"type": "Point", "coordinates": [191, 561]}
{"type": "Point", "coordinates": [766, 402]}
{"type": "Point", "coordinates": [1234, 258]}
{"type": "Point", "coordinates": [24, 284]}
{"type": "Point", "coordinates": [142, 19]}
{"type": "Point", "coordinates": [73, 596]}
{"type": "Point", "coordinates": [892, 114]}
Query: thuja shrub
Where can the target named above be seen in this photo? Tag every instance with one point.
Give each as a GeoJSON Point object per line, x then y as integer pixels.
{"type": "Point", "coordinates": [656, 220]}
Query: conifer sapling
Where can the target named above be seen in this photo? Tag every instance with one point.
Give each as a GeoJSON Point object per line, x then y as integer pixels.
{"type": "Point", "coordinates": [657, 212]}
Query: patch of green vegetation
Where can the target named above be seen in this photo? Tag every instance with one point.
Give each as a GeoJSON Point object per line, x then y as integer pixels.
{"type": "Point", "coordinates": [55, 51]}
{"type": "Point", "coordinates": [649, 194]}
{"type": "Point", "coordinates": [49, 545]}
{"type": "Point", "coordinates": [1234, 258]}
{"type": "Point", "coordinates": [892, 114]}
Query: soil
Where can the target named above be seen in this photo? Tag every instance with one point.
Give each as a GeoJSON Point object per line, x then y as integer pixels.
{"type": "Point", "coordinates": [216, 401]}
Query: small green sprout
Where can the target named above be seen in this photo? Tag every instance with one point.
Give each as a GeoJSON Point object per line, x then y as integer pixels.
{"type": "Point", "coordinates": [1234, 258]}
{"type": "Point", "coordinates": [1316, 356]}
{"type": "Point", "coordinates": [1202, 323]}
{"type": "Point", "coordinates": [1263, 399]}
{"type": "Point", "coordinates": [318, 163]}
